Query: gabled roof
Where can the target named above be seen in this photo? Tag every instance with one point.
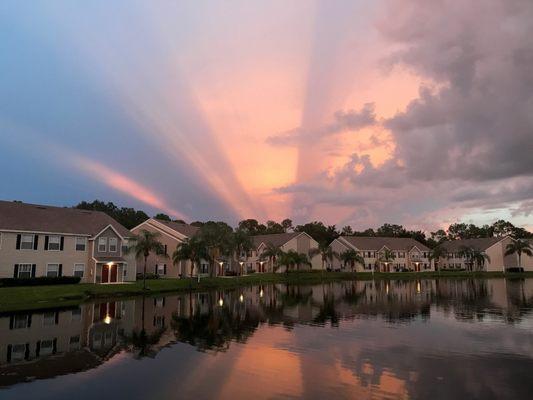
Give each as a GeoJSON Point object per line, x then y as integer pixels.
{"type": "Point", "coordinates": [276, 239]}
{"type": "Point", "coordinates": [375, 243]}
{"type": "Point", "coordinates": [478, 243]}
{"type": "Point", "coordinates": [23, 217]}
{"type": "Point", "coordinates": [184, 229]}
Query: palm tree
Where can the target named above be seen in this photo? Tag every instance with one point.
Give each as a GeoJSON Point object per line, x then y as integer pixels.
{"type": "Point", "coordinates": [473, 257]}
{"type": "Point", "coordinates": [437, 253]}
{"type": "Point", "coordinates": [351, 257]}
{"type": "Point", "coordinates": [271, 253]}
{"type": "Point", "coordinates": [145, 243]}
{"type": "Point", "coordinates": [387, 256]}
{"type": "Point", "coordinates": [293, 258]}
{"type": "Point", "coordinates": [242, 243]}
{"type": "Point", "coordinates": [192, 249]}
{"type": "Point", "coordinates": [326, 253]}
{"type": "Point", "coordinates": [218, 239]}
{"type": "Point", "coordinates": [519, 246]}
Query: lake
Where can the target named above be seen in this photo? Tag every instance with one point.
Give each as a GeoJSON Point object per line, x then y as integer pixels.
{"type": "Point", "coordinates": [397, 339]}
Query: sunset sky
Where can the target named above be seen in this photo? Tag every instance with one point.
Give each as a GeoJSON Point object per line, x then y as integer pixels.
{"type": "Point", "coordinates": [350, 112]}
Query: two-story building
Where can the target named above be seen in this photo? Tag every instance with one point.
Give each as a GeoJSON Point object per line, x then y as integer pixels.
{"type": "Point", "coordinates": [38, 240]}
{"type": "Point", "coordinates": [494, 248]}
{"type": "Point", "coordinates": [406, 254]}
{"type": "Point", "coordinates": [171, 234]}
{"type": "Point", "coordinates": [301, 242]}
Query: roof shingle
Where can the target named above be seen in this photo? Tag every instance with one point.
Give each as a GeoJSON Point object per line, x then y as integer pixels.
{"type": "Point", "coordinates": [276, 239]}
{"type": "Point", "coordinates": [184, 229]}
{"type": "Point", "coordinates": [477, 243]}
{"type": "Point", "coordinates": [376, 243]}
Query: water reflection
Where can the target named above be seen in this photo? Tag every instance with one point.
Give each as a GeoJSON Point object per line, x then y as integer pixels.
{"type": "Point", "coordinates": [390, 339]}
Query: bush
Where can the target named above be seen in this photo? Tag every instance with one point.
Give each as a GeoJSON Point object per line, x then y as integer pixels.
{"type": "Point", "coordinates": [514, 269]}
{"type": "Point", "coordinates": [148, 276]}
{"type": "Point", "coordinates": [40, 281]}
{"type": "Point", "coordinates": [230, 273]}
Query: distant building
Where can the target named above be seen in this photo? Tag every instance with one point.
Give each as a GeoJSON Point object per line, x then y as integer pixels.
{"type": "Point", "coordinates": [407, 254]}
{"type": "Point", "coordinates": [37, 240]}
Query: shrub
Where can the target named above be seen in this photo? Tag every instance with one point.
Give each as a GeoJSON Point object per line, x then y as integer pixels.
{"type": "Point", "coordinates": [40, 281]}
{"type": "Point", "coordinates": [514, 269]}
{"type": "Point", "coordinates": [148, 276]}
{"type": "Point", "coordinates": [230, 273]}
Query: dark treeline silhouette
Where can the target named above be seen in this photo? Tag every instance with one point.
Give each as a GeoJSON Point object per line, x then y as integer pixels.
{"type": "Point", "coordinates": [324, 234]}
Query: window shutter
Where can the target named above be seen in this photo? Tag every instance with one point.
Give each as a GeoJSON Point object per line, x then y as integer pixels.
{"type": "Point", "coordinates": [164, 269]}
{"type": "Point", "coordinates": [54, 349]}
{"type": "Point", "coordinates": [164, 299]}
{"type": "Point", "coordinates": [46, 242]}
{"type": "Point", "coordinates": [60, 271]}
{"type": "Point", "coordinates": [36, 242]}
{"type": "Point", "coordinates": [155, 269]}
{"type": "Point", "coordinates": [154, 320]}
{"type": "Point", "coordinates": [57, 317]}
{"type": "Point", "coordinates": [11, 318]}
{"type": "Point", "coordinates": [29, 320]}
{"type": "Point", "coordinates": [62, 244]}
{"type": "Point", "coordinates": [33, 268]}
{"type": "Point", "coordinates": [38, 348]}
{"type": "Point", "coordinates": [18, 242]}
{"type": "Point", "coordinates": [16, 271]}
{"type": "Point", "coordinates": [9, 347]}
{"type": "Point", "coordinates": [27, 352]}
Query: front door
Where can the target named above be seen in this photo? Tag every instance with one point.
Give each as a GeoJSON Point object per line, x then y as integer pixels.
{"type": "Point", "coordinates": [114, 269]}
{"type": "Point", "coordinates": [105, 273]}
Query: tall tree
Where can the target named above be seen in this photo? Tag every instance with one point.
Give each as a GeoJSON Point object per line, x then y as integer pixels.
{"type": "Point", "coordinates": [271, 253]}
{"type": "Point", "coordinates": [347, 230]}
{"type": "Point", "coordinates": [145, 243]}
{"type": "Point", "coordinates": [218, 239]}
{"type": "Point", "coordinates": [473, 257]}
{"type": "Point", "coordinates": [351, 257]}
{"type": "Point", "coordinates": [318, 231]}
{"type": "Point", "coordinates": [325, 251]}
{"type": "Point", "coordinates": [162, 217]}
{"type": "Point", "coordinates": [437, 253]}
{"type": "Point", "coordinates": [519, 246]}
{"type": "Point", "coordinates": [192, 249]}
{"type": "Point", "coordinates": [386, 256]}
{"type": "Point", "coordinates": [287, 225]}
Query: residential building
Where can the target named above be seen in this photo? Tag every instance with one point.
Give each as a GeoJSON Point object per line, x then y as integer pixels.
{"type": "Point", "coordinates": [38, 240]}
{"type": "Point", "coordinates": [301, 242]}
{"type": "Point", "coordinates": [171, 234]}
{"type": "Point", "coordinates": [407, 254]}
{"type": "Point", "coordinates": [494, 248]}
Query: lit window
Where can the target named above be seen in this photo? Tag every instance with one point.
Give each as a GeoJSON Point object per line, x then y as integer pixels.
{"type": "Point", "coordinates": [79, 270]}
{"type": "Point", "coordinates": [81, 243]}
{"type": "Point", "coordinates": [52, 270]}
{"type": "Point", "coordinates": [113, 245]}
{"type": "Point", "coordinates": [102, 245]}
{"type": "Point", "coordinates": [54, 243]}
{"type": "Point", "coordinates": [26, 242]}
{"type": "Point", "coordinates": [24, 271]}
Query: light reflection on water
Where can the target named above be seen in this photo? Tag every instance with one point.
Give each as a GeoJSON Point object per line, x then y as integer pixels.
{"type": "Point", "coordinates": [386, 339]}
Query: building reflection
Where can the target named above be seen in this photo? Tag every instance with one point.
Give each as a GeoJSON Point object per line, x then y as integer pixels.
{"type": "Point", "coordinates": [48, 343]}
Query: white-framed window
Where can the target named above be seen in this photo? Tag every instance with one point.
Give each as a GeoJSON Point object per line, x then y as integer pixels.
{"type": "Point", "coordinates": [18, 352]}
{"type": "Point", "coordinates": [160, 302]}
{"type": "Point", "coordinates": [26, 242]}
{"type": "Point", "coordinates": [81, 243]}
{"type": "Point", "coordinates": [47, 347]}
{"type": "Point", "coordinates": [74, 342]}
{"type": "Point", "coordinates": [52, 270]}
{"type": "Point", "coordinates": [75, 315]}
{"type": "Point", "coordinates": [24, 271]}
{"type": "Point", "coordinates": [160, 269]}
{"type": "Point", "coordinates": [79, 270]}
{"type": "Point", "coordinates": [159, 321]}
{"type": "Point", "coordinates": [113, 245]}
{"type": "Point", "coordinates": [54, 243]}
{"type": "Point", "coordinates": [125, 272]}
{"type": "Point", "coordinates": [49, 319]}
{"type": "Point", "coordinates": [21, 321]}
{"type": "Point", "coordinates": [102, 244]}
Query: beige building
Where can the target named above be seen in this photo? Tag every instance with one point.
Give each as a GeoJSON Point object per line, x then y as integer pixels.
{"type": "Point", "coordinates": [494, 248]}
{"type": "Point", "coordinates": [301, 242]}
{"type": "Point", "coordinates": [171, 235]}
{"type": "Point", "coordinates": [38, 241]}
{"type": "Point", "coordinates": [407, 254]}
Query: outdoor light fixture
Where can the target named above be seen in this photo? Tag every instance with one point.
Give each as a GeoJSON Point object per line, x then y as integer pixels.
{"type": "Point", "coordinates": [220, 302]}
{"type": "Point", "coordinates": [261, 293]}
{"type": "Point", "coordinates": [241, 298]}
{"type": "Point", "coordinates": [107, 319]}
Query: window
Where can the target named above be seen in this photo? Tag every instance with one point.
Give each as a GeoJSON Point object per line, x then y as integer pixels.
{"type": "Point", "coordinates": [113, 245]}
{"type": "Point", "coordinates": [79, 270]}
{"type": "Point", "coordinates": [18, 352]}
{"type": "Point", "coordinates": [159, 321]}
{"type": "Point", "coordinates": [26, 242]}
{"type": "Point", "coordinates": [81, 243]}
{"type": "Point", "coordinates": [76, 315]}
{"type": "Point", "coordinates": [125, 272]}
{"type": "Point", "coordinates": [21, 321]}
{"type": "Point", "coordinates": [204, 268]}
{"type": "Point", "coordinates": [52, 270]}
{"type": "Point", "coordinates": [49, 319]}
{"type": "Point", "coordinates": [102, 245]}
{"type": "Point", "coordinates": [159, 302]}
{"type": "Point", "coordinates": [125, 248]}
{"type": "Point", "coordinates": [161, 269]}
{"type": "Point", "coordinates": [54, 243]}
{"type": "Point", "coordinates": [24, 271]}
{"type": "Point", "coordinates": [47, 347]}
{"type": "Point", "coordinates": [74, 342]}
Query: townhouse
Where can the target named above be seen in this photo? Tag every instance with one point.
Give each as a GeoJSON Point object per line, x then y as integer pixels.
{"type": "Point", "coordinates": [171, 234]}
{"type": "Point", "coordinates": [407, 254]}
{"type": "Point", "coordinates": [301, 242]}
{"type": "Point", "coordinates": [37, 241]}
{"type": "Point", "coordinates": [494, 248]}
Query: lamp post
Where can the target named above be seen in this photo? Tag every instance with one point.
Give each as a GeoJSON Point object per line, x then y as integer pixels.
{"type": "Point", "coordinates": [221, 263]}
{"type": "Point", "coordinates": [241, 263]}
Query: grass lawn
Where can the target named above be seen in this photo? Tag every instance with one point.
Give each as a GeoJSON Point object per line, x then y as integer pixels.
{"type": "Point", "coordinates": [40, 297]}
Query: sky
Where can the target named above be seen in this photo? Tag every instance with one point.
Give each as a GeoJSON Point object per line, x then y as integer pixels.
{"type": "Point", "coordinates": [349, 112]}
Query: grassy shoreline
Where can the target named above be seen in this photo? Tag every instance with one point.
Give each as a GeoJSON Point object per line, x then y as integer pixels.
{"type": "Point", "coordinates": [42, 297]}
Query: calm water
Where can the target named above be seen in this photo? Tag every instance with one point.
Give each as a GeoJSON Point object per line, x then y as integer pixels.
{"type": "Point", "coordinates": [437, 339]}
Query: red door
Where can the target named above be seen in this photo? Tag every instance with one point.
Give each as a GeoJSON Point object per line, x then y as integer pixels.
{"type": "Point", "coordinates": [114, 269]}
{"type": "Point", "coordinates": [105, 273]}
